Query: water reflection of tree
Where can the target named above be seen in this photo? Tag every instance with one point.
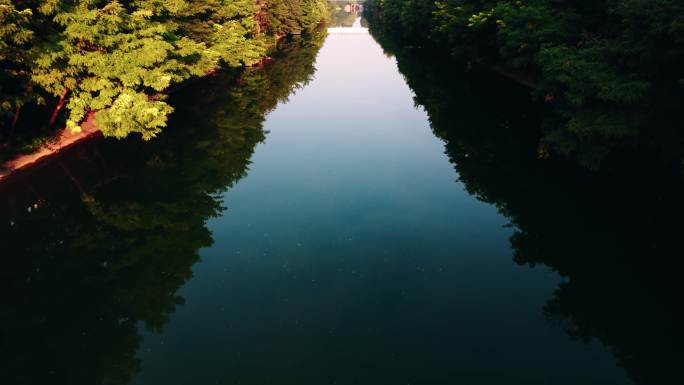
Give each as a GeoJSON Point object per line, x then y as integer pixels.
{"type": "Point", "coordinates": [98, 243]}
{"type": "Point", "coordinates": [614, 235]}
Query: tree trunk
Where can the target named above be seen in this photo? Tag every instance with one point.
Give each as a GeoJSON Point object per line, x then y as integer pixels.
{"type": "Point", "coordinates": [17, 112]}
{"type": "Point", "coordinates": [15, 119]}
{"type": "Point", "coordinates": [59, 106]}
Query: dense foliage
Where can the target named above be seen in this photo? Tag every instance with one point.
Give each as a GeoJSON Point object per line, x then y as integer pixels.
{"type": "Point", "coordinates": [612, 69]}
{"type": "Point", "coordinates": [133, 218]}
{"type": "Point", "coordinates": [616, 257]}
{"type": "Point", "coordinates": [119, 57]}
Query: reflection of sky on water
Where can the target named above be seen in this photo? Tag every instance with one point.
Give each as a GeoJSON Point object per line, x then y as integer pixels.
{"type": "Point", "coordinates": [351, 254]}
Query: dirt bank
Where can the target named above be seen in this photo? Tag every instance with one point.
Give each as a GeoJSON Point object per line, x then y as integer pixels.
{"type": "Point", "coordinates": [64, 140]}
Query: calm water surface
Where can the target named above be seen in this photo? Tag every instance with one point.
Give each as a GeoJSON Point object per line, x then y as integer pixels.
{"type": "Point", "coordinates": [349, 251]}
{"type": "Point", "coordinates": [351, 254]}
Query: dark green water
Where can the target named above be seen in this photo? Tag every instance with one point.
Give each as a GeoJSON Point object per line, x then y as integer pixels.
{"type": "Point", "coordinates": [350, 237]}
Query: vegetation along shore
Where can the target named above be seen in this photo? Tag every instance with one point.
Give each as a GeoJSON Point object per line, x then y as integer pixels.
{"type": "Point", "coordinates": [611, 71]}
{"type": "Point", "coordinates": [63, 60]}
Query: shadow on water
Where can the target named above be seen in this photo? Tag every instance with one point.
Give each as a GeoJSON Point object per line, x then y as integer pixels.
{"type": "Point", "coordinates": [613, 235]}
{"type": "Point", "coordinates": [97, 243]}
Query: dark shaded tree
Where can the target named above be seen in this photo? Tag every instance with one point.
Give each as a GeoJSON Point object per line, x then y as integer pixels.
{"type": "Point", "coordinates": [612, 70]}
{"type": "Point", "coordinates": [614, 235]}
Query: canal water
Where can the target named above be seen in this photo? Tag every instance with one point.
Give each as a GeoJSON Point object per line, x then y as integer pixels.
{"type": "Point", "coordinates": [351, 254]}
{"type": "Point", "coordinates": [343, 239]}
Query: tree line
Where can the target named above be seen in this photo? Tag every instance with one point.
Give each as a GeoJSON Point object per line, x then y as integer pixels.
{"type": "Point", "coordinates": [582, 224]}
{"type": "Point", "coordinates": [612, 70]}
{"type": "Point", "coordinates": [117, 58]}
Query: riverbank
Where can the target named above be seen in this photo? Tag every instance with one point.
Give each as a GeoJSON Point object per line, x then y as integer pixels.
{"type": "Point", "coordinates": [66, 139]}
{"type": "Point", "coordinates": [119, 80]}
{"type": "Point", "coordinates": [62, 141]}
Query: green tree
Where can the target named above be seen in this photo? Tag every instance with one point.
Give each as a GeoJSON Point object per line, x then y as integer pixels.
{"type": "Point", "coordinates": [118, 59]}
{"type": "Point", "coordinates": [15, 38]}
{"type": "Point", "coordinates": [610, 69]}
